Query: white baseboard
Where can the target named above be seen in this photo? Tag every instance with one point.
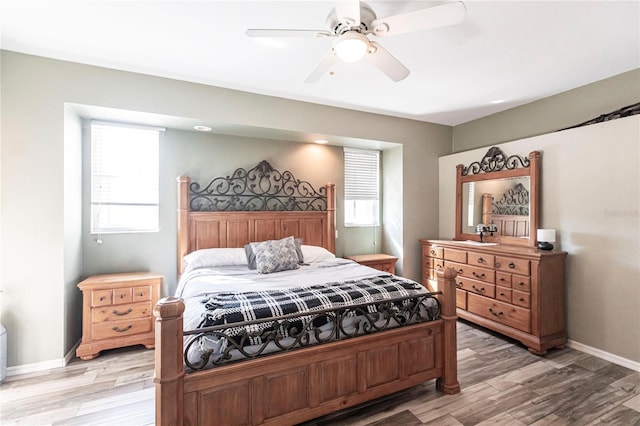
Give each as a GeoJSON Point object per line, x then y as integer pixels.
{"type": "Point", "coordinates": [44, 365]}
{"type": "Point", "coordinates": [633, 365]}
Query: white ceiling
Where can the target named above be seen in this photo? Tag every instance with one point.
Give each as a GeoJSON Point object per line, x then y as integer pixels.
{"type": "Point", "coordinates": [504, 53]}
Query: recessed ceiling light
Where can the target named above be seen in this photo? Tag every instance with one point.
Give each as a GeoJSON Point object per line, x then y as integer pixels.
{"type": "Point", "coordinates": [498, 101]}
{"type": "Point", "coordinates": [321, 141]}
{"type": "Point", "coordinates": [202, 128]}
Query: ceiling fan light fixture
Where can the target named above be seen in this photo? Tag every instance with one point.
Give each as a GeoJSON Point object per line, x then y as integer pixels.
{"type": "Point", "coordinates": [351, 46]}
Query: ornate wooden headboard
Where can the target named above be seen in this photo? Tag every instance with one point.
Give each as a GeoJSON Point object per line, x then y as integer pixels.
{"type": "Point", "coordinates": [253, 205]}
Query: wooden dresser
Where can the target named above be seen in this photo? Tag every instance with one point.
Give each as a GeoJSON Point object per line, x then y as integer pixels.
{"type": "Point", "coordinates": [117, 311]}
{"type": "Point", "coordinates": [383, 262]}
{"type": "Point", "coordinates": [515, 290]}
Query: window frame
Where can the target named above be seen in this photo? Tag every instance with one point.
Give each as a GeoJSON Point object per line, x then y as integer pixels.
{"type": "Point", "coordinates": [135, 192]}
{"type": "Point", "coordinates": [358, 195]}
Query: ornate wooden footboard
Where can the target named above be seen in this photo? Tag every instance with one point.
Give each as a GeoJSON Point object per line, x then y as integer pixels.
{"type": "Point", "coordinates": [302, 384]}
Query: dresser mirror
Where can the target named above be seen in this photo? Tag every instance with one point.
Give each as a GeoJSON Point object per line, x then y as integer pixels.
{"type": "Point", "coordinates": [497, 199]}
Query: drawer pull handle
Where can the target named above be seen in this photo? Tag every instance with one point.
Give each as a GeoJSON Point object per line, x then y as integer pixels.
{"type": "Point", "coordinates": [459, 285]}
{"type": "Point", "coordinates": [122, 330]}
{"type": "Point", "coordinates": [502, 294]}
{"type": "Point", "coordinates": [480, 260]}
{"type": "Point", "coordinates": [460, 271]}
{"type": "Point", "coordinates": [512, 265]}
{"type": "Point", "coordinates": [121, 296]}
{"type": "Point", "coordinates": [141, 294]}
{"type": "Point", "coordinates": [494, 313]}
{"type": "Point", "coordinates": [101, 298]}
{"type": "Point", "coordinates": [481, 290]}
{"type": "Point", "coordinates": [521, 299]}
{"type": "Point", "coordinates": [115, 312]}
{"type": "Point", "coordinates": [502, 279]}
{"type": "Point", "coordinates": [521, 283]}
{"type": "Point", "coordinates": [433, 252]}
{"type": "Point", "coordinates": [478, 275]}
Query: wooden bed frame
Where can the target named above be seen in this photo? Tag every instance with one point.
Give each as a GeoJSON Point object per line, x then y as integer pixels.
{"type": "Point", "coordinates": [302, 384]}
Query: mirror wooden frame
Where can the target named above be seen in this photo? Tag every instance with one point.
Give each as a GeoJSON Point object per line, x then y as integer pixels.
{"type": "Point", "coordinates": [495, 165]}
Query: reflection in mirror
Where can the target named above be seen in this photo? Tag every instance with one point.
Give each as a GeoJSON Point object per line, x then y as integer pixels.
{"type": "Point", "coordinates": [500, 202]}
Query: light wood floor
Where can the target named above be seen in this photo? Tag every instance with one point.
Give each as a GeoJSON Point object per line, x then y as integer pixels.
{"type": "Point", "coordinates": [502, 384]}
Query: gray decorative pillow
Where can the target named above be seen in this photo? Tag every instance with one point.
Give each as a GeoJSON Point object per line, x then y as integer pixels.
{"type": "Point", "coordinates": [251, 256]}
{"type": "Point", "coordinates": [275, 255]}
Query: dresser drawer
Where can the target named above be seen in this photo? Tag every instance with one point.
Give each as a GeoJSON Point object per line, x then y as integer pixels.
{"type": "Point", "coordinates": [485, 289]}
{"type": "Point", "coordinates": [521, 283]}
{"type": "Point", "coordinates": [434, 251]}
{"type": "Point", "coordinates": [503, 279]}
{"type": "Point", "coordinates": [455, 255]}
{"type": "Point", "coordinates": [503, 294]}
{"type": "Point", "coordinates": [121, 312]}
{"type": "Point", "coordinates": [461, 299]}
{"type": "Point", "coordinates": [481, 259]}
{"type": "Point", "coordinates": [517, 266]}
{"type": "Point", "coordinates": [521, 298]}
{"type": "Point", "coordinates": [111, 329]}
{"type": "Point", "coordinates": [481, 274]}
{"type": "Point", "coordinates": [501, 312]}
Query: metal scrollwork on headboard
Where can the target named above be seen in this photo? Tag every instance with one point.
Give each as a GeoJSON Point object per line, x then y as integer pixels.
{"type": "Point", "coordinates": [493, 161]}
{"type": "Point", "coordinates": [513, 202]}
{"type": "Point", "coordinates": [261, 188]}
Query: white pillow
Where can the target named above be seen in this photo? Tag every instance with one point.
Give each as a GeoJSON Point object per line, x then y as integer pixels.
{"type": "Point", "coordinates": [314, 254]}
{"type": "Point", "coordinates": [214, 257]}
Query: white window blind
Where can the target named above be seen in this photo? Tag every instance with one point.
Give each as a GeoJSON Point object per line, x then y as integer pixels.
{"type": "Point", "coordinates": [361, 187]}
{"type": "Point", "coordinates": [124, 178]}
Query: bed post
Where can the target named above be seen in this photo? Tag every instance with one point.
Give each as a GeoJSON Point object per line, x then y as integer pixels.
{"type": "Point", "coordinates": [183, 216]}
{"type": "Point", "coordinates": [448, 383]}
{"type": "Point", "coordinates": [169, 366]}
{"type": "Point", "coordinates": [331, 210]}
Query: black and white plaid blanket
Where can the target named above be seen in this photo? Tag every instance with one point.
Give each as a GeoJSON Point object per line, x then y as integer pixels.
{"type": "Point", "coordinates": [230, 308]}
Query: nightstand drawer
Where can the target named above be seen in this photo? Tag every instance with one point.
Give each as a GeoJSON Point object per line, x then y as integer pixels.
{"type": "Point", "coordinates": [142, 293]}
{"type": "Point", "coordinates": [111, 329]}
{"type": "Point", "coordinates": [122, 295]}
{"type": "Point", "coordinates": [101, 297]}
{"type": "Point", "coordinates": [120, 312]}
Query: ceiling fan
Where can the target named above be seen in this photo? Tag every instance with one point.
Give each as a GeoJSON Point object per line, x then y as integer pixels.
{"type": "Point", "coordinates": [352, 22]}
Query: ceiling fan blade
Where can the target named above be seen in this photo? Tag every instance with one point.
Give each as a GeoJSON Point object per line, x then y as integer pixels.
{"type": "Point", "coordinates": [386, 62]}
{"type": "Point", "coordinates": [286, 33]}
{"type": "Point", "coordinates": [348, 11]}
{"type": "Point", "coordinates": [325, 65]}
{"type": "Point", "coordinates": [422, 19]}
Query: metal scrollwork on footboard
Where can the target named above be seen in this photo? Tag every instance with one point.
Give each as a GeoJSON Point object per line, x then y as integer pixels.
{"type": "Point", "coordinates": [261, 188]}
{"type": "Point", "coordinates": [223, 344]}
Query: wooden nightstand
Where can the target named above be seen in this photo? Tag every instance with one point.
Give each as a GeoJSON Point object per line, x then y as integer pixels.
{"type": "Point", "coordinates": [383, 262]}
{"type": "Point", "coordinates": [117, 311]}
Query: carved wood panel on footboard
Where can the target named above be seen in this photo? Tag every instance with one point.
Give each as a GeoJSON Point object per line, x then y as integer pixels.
{"type": "Point", "coordinates": [301, 385]}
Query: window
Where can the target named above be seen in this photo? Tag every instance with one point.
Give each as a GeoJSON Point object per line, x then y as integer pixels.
{"type": "Point", "coordinates": [124, 178]}
{"type": "Point", "coordinates": [361, 187]}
